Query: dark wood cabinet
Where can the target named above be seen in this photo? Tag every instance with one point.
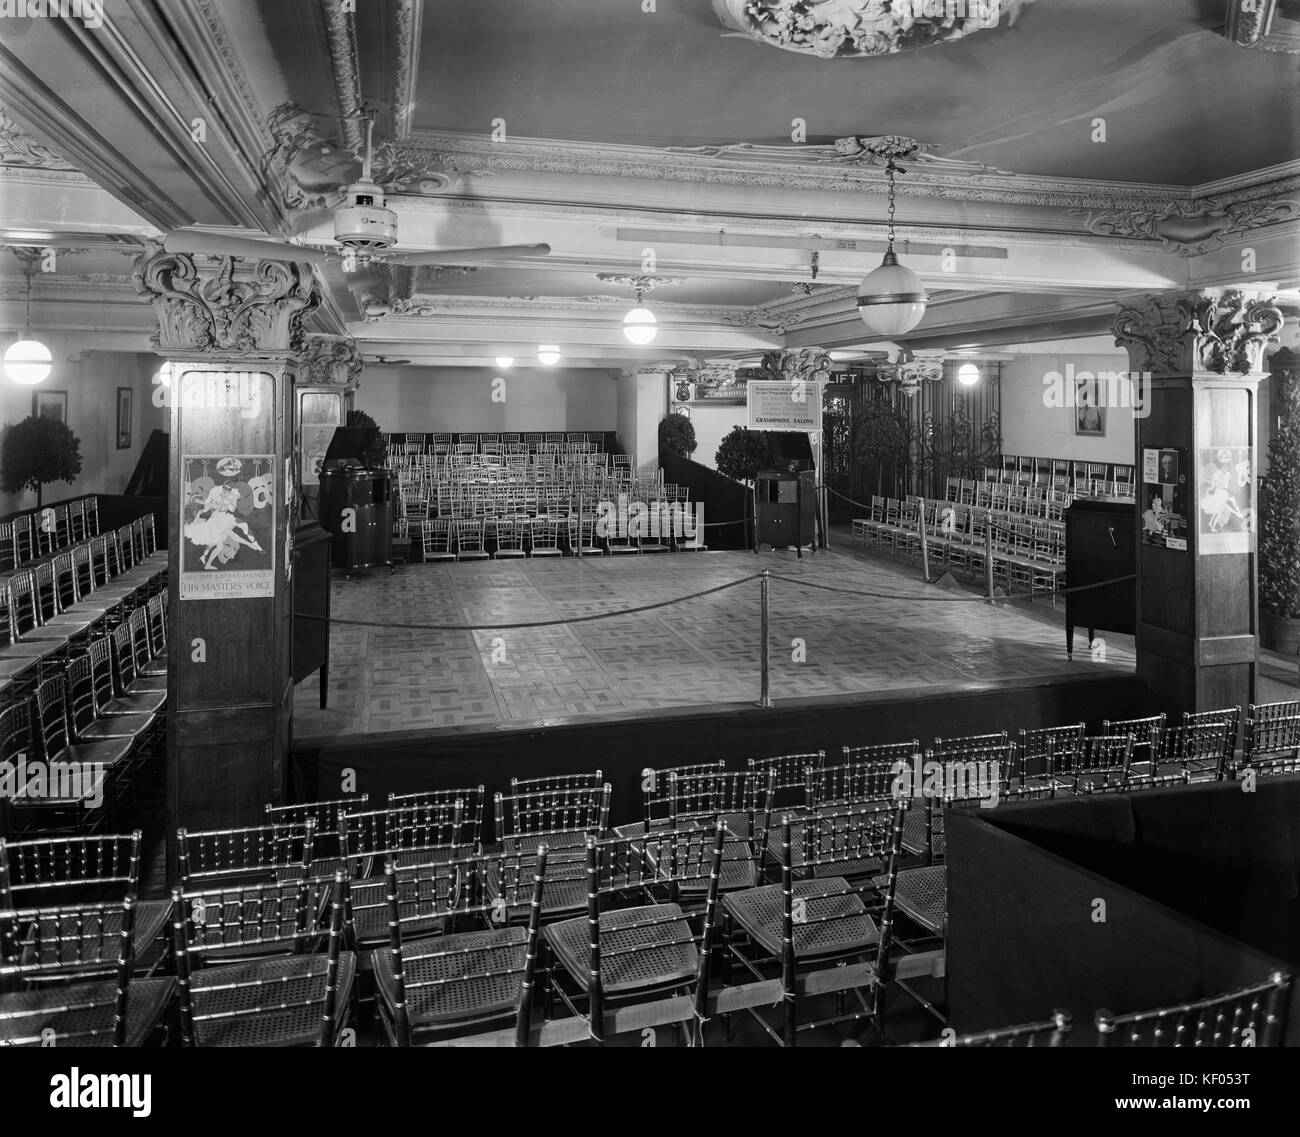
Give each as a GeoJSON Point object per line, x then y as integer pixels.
{"type": "Point", "coordinates": [785, 510]}
{"type": "Point", "coordinates": [1099, 545]}
{"type": "Point", "coordinates": [311, 605]}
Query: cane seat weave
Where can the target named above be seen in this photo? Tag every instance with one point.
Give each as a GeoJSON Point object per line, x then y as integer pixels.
{"type": "Point", "coordinates": [646, 948]}
{"type": "Point", "coordinates": [837, 923]}
{"type": "Point", "coordinates": [469, 977]}
{"type": "Point", "coordinates": [922, 895]}
{"type": "Point", "coordinates": [850, 867]}
{"type": "Point", "coordinates": [82, 1014]}
{"type": "Point", "coordinates": [265, 1002]}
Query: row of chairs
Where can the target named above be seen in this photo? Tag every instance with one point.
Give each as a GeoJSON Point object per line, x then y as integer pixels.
{"type": "Point", "coordinates": [1061, 472]}
{"type": "Point", "coordinates": [532, 439]}
{"type": "Point", "coordinates": [42, 532]}
{"type": "Point", "coordinates": [446, 538]}
{"type": "Point", "coordinates": [1010, 498]}
{"type": "Point", "coordinates": [1025, 554]}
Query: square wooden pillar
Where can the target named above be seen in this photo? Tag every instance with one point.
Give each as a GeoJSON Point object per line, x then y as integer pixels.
{"type": "Point", "coordinates": [232, 333]}
{"type": "Point", "coordinates": [1195, 363]}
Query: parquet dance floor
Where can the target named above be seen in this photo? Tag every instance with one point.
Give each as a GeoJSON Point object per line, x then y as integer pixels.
{"type": "Point", "coordinates": [703, 651]}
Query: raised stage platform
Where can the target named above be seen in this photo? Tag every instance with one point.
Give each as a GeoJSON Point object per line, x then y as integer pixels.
{"type": "Point", "coordinates": [888, 659]}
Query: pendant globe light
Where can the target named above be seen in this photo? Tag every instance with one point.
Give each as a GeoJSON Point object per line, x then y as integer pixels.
{"type": "Point", "coordinates": [640, 326]}
{"type": "Point", "coordinates": [891, 299]}
{"type": "Point", "coordinates": [28, 360]}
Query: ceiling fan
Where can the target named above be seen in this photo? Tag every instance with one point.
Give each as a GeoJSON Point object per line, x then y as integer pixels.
{"type": "Point", "coordinates": [364, 228]}
{"type": "Point", "coordinates": [384, 361]}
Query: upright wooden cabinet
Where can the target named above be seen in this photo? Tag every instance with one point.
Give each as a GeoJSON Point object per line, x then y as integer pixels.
{"type": "Point", "coordinates": [1100, 545]}
{"type": "Point", "coordinates": [785, 509]}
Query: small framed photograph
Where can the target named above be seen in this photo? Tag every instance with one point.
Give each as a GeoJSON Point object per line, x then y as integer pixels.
{"type": "Point", "coordinates": [124, 396]}
{"type": "Point", "coordinates": [51, 404]}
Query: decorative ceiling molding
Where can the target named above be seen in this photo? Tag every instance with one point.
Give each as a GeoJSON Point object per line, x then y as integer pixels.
{"type": "Point", "coordinates": [331, 361]}
{"type": "Point", "coordinates": [406, 64]}
{"type": "Point", "coordinates": [1176, 333]}
{"type": "Point", "coordinates": [443, 305]}
{"type": "Point", "coordinates": [855, 152]}
{"type": "Point", "coordinates": [470, 153]}
{"type": "Point", "coordinates": [19, 149]}
{"type": "Point", "coordinates": [437, 272]}
{"type": "Point", "coordinates": [640, 283]}
{"type": "Point", "coordinates": [1190, 228]}
{"type": "Point", "coordinates": [862, 29]}
{"type": "Point", "coordinates": [341, 33]}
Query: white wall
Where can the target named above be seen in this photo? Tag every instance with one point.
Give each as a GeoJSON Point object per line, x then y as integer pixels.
{"type": "Point", "coordinates": [1031, 427]}
{"type": "Point", "coordinates": [91, 379]}
{"type": "Point", "coordinates": [460, 399]}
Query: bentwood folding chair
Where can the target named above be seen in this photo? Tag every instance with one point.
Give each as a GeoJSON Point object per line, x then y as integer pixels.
{"type": "Point", "coordinates": [282, 991]}
{"type": "Point", "coordinates": [465, 980]}
{"type": "Point", "coordinates": [1050, 1032]}
{"type": "Point", "coordinates": [63, 871]}
{"type": "Point", "coordinates": [46, 954]}
{"type": "Point", "coordinates": [639, 967]}
{"type": "Point", "coordinates": [1248, 1017]}
{"type": "Point", "coordinates": [1272, 739]}
{"type": "Point", "coordinates": [819, 930]}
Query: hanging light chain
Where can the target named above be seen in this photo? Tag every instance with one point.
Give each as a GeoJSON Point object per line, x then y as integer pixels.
{"type": "Point", "coordinates": [889, 173]}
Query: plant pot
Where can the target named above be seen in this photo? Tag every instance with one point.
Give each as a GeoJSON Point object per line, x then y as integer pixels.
{"type": "Point", "coordinates": [1279, 633]}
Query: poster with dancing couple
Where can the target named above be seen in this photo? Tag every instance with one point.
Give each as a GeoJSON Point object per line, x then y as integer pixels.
{"type": "Point", "coordinates": [1226, 493]}
{"type": "Point", "coordinates": [227, 527]}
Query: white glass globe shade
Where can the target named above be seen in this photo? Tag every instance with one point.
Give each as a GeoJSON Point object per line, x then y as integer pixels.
{"type": "Point", "coordinates": [505, 360]}
{"type": "Point", "coordinates": [640, 325]}
{"type": "Point", "coordinates": [891, 299]}
{"type": "Point", "coordinates": [548, 355]}
{"type": "Point", "coordinates": [968, 375]}
{"type": "Point", "coordinates": [27, 362]}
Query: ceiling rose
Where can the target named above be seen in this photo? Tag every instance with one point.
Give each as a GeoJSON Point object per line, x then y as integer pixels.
{"type": "Point", "coordinates": [859, 29]}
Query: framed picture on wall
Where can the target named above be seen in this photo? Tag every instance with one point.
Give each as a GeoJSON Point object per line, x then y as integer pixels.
{"type": "Point", "coordinates": [1089, 414]}
{"type": "Point", "coordinates": [50, 404]}
{"type": "Point", "coordinates": [124, 395]}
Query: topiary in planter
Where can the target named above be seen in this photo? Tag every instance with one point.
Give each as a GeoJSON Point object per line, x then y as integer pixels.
{"type": "Point", "coordinates": [743, 453]}
{"type": "Point", "coordinates": [1279, 517]}
{"type": "Point", "coordinates": [677, 436]}
{"type": "Point", "coordinates": [38, 451]}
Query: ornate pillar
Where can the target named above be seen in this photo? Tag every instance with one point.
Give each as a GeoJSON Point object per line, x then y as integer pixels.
{"type": "Point", "coordinates": [323, 398]}
{"type": "Point", "coordinates": [1196, 359]}
{"type": "Point", "coordinates": [232, 331]}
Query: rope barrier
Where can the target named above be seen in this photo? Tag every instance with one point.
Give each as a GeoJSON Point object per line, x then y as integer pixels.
{"type": "Point", "coordinates": [534, 623]}
{"type": "Point", "coordinates": [970, 599]}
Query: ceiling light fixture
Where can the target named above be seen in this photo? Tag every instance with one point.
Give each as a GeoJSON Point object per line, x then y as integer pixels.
{"type": "Point", "coordinates": [640, 325]}
{"type": "Point", "coordinates": [505, 360]}
{"type": "Point", "coordinates": [548, 354]}
{"type": "Point", "coordinates": [968, 375]}
{"type": "Point", "coordinates": [27, 361]}
{"type": "Point", "coordinates": [892, 299]}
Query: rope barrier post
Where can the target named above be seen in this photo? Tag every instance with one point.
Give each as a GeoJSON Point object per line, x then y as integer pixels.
{"type": "Point", "coordinates": [925, 544]}
{"type": "Point", "coordinates": [826, 520]}
{"type": "Point", "coordinates": [764, 589]}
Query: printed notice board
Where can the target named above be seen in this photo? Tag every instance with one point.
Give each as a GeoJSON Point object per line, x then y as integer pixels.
{"type": "Point", "coordinates": [785, 404]}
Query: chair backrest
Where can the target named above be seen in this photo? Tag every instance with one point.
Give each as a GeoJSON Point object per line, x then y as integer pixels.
{"type": "Point", "coordinates": [255, 920]}
{"type": "Point", "coordinates": [538, 806]}
{"type": "Point", "coordinates": [1050, 1032]}
{"type": "Point", "coordinates": [52, 715]}
{"type": "Point", "coordinates": [1249, 1016]}
{"type": "Point", "coordinates": [1103, 760]}
{"type": "Point", "coordinates": [1197, 748]}
{"type": "Point", "coordinates": [51, 943]}
{"type": "Point", "coordinates": [867, 773]}
{"type": "Point", "coordinates": [1273, 737]}
{"type": "Point", "coordinates": [451, 889]}
{"type": "Point", "coordinates": [423, 831]}
{"type": "Point", "coordinates": [254, 852]}
{"type": "Point", "coordinates": [1043, 749]}
{"type": "Point", "coordinates": [790, 769]}
{"type": "Point", "coordinates": [325, 816]}
{"type": "Point", "coordinates": [472, 812]}
{"type": "Point", "coordinates": [22, 603]}
{"type": "Point", "coordinates": [655, 794]}
{"type": "Point", "coordinates": [71, 869]}
{"type": "Point", "coordinates": [1146, 733]}
{"type": "Point", "coordinates": [742, 798]}
{"type": "Point", "coordinates": [1228, 719]}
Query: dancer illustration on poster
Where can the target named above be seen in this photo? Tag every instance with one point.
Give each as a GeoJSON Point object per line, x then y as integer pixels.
{"type": "Point", "coordinates": [1227, 514]}
{"type": "Point", "coordinates": [227, 520]}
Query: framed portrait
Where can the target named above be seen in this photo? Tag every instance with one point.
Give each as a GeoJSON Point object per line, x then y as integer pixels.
{"type": "Point", "coordinates": [1089, 413]}
{"type": "Point", "coordinates": [50, 404]}
{"type": "Point", "coordinates": [124, 395]}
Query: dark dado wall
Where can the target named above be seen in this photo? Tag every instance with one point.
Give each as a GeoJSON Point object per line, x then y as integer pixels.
{"type": "Point", "coordinates": [724, 500]}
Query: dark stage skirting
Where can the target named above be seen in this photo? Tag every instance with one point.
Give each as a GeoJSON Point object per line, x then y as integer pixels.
{"type": "Point", "coordinates": [405, 762]}
{"type": "Point", "coordinates": [1199, 884]}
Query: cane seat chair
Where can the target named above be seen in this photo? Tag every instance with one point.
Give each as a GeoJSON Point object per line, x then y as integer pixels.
{"type": "Point", "coordinates": [1272, 738]}
{"type": "Point", "coordinates": [282, 990]}
{"type": "Point", "coordinates": [639, 967]}
{"type": "Point", "coordinates": [326, 855]}
{"type": "Point", "coordinates": [468, 979]}
{"type": "Point", "coordinates": [1039, 753]}
{"type": "Point", "coordinates": [868, 774]}
{"type": "Point", "coordinates": [819, 930]}
{"type": "Point", "coordinates": [1147, 733]}
{"type": "Point", "coordinates": [1196, 751]}
{"type": "Point", "coordinates": [1049, 1032]}
{"type": "Point", "coordinates": [408, 834]}
{"type": "Point", "coordinates": [1104, 763]}
{"type": "Point", "coordinates": [1248, 1017]}
{"type": "Point", "coordinates": [1218, 764]}
{"type": "Point", "coordinates": [250, 854]}
{"type": "Point", "coordinates": [46, 998]}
